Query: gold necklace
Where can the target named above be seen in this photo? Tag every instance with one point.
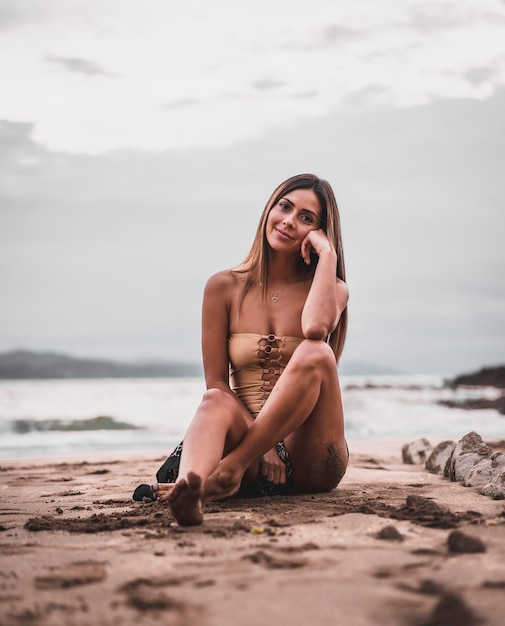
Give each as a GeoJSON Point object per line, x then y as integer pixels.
{"type": "Point", "coordinates": [275, 296]}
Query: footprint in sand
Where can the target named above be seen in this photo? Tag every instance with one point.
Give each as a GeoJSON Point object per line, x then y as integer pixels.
{"type": "Point", "coordinates": [273, 562]}
{"type": "Point", "coordinates": [145, 595]}
{"type": "Point", "coordinates": [72, 575]}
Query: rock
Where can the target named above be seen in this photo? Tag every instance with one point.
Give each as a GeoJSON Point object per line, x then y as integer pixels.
{"type": "Point", "coordinates": [439, 456]}
{"type": "Point", "coordinates": [484, 471]}
{"type": "Point", "coordinates": [416, 452]}
{"type": "Point", "coordinates": [452, 610]}
{"type": "Point", "coordinates": [464, 544]}
{"type": "Point", "coordinates": [390, 533]}
{"type": "Point", "coordinates": [430, 587]}
{"type": "Point", "coordinates": [473, 404]}
{"type": "Point", "coordinates": [495, 488]}
{"type": "Point", "coordinates": [468, 452]}
{"type": "Point", "coordinates": [486, 377]}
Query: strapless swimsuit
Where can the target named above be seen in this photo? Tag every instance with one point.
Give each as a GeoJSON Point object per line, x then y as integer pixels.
{"type": "Point", "coordinates": [256, 362]}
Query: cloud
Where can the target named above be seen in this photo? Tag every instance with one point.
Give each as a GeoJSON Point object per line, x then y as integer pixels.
{"type": "Point", "coordinates": [17, 12]}
{"type": "Point", "coordinates": [81, 66]}
{"type": "Point", "coordinates": [478, 75]}
{"type": "Point", "coordinates": [266, 84]}
{"type": "Point", "coordinates": [368, 96]}
{"type": "Point", "coordinates": [14, 135]}
{"type": "Point", "coordinates": [116, 248]}
{"type": "Point", "coordinates": [182, 104]}
{"type": "Point", "coordinates": [170, 58]}
{"type": "Point", "coordinates": [18, 154]}
{"type": "Point", "coordinates": [336, 34]}
{"type": "Point", "coordinates": [448, 16]}
{"type": "Point", "coordinates": [8, 14]}
{"type": "Point", "coordinates": [437, 17]}
{"type": "Point", "coordinates": [311, 93]}
{"type": "Point", "coordinates": [321, 36]}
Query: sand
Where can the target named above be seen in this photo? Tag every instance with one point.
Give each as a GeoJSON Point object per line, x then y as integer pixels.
{"type": "Point", "coordinates": [392, 544]}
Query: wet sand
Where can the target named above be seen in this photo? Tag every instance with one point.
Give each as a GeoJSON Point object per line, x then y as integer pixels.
{"type": "Point", "coordinates": [393, 544]}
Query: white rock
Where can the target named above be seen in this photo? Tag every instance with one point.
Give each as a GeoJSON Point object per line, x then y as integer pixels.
{"type": "Point", "coordinates": [469, 450]}
{"type": "Point", "coordinates": [496, 486]}
{"type": "Point", "coordinates": [416, 452]}
{"type": "Point", "coordinates": [439, 456]}
{"type": "Point", "coordinates": [484, 471]}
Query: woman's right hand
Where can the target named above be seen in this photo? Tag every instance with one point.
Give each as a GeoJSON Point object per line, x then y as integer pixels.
{"type": "Point", "coordinates": [316, 241]}
{"type": "Point", "coordinates": [272, 468]}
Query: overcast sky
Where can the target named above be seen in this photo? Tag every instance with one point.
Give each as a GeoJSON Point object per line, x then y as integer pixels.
{"type": "Point", "coordinates": [139, 142]}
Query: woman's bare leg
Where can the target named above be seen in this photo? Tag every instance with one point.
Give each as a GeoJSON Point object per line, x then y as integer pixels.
{"type": "Point", "coordinates": [217, 428]}
{"type": "Point", "coordinates": [304, 409]}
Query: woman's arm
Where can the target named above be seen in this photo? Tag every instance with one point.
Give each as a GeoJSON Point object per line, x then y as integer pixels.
{"type": "Point", "coordinates": [215, 330]}
{"type": "Point", "coordinates": [217, 299]}
{"type": "Point", "coordinates": [328, 294]}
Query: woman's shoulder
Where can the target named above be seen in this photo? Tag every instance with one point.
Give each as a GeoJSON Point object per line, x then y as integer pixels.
{"type": "Point", "coordinates": [342, 288]}
{"type": "Point", "coordinates": [223, 281]}
{"type": "Point", "coordinates": [342, 285]}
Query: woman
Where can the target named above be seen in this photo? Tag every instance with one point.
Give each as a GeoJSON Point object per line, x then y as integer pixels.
{"type": "Point", "coordinates": [274, 327]}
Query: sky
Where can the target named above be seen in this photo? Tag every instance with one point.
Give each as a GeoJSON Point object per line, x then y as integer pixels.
{"type": "Point", "coordinates": [140, 141]}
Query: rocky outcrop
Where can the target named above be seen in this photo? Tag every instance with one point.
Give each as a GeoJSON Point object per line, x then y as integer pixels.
{"type": "Point", "coordinates": [468, 452]}
{"type": "Point", "coordinates": [471, 404]}
{"type": "Point", "coordinates": [495, 488]}
{"type": "Point", "coordinates": [439, 457]}
{"type": "Point", "coordinates": [484, 471]}
{"type": "Point", "coordinates": [469, 461]}
{"type": "Point", "coordinates": [416, 452]}
{"type": "Point", "coordinates": [486, 377]}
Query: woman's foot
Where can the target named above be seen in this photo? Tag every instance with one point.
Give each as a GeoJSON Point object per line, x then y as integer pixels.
{"type": "Point", "coordinates": [185, 500]}
{"type": "Point", "coordinates": [161, 491]}
{"type": "Point", "coordinates": [222, 483]}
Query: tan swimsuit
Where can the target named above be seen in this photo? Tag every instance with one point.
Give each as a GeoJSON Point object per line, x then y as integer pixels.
{"type": "Point", "coordinates": [256, 362]}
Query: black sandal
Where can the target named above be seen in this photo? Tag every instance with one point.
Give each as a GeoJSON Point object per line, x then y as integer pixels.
{"type": "Point", "coordinates": [145, 492]}
{"type": "Point", "coordinates": [167, 473]}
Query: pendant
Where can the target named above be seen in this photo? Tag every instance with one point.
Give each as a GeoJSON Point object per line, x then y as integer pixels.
{"type": "Point", "coordinates": [275, 298]}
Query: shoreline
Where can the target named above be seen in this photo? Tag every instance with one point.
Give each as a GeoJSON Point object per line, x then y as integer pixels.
{"type": "Point", "coordinates": [391, 444]}
{"type": "Point", "coordinates": [76, 550]}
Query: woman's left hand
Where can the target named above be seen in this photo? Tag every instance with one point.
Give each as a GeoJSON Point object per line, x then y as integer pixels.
{"type": "Point", "coordinates": [315, 241]}
{"type": "Point", "coordinates": [273, 468]}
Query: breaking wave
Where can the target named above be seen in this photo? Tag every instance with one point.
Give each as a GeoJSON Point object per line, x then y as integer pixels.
{"type": "Point", "coordinates": [102, 422]}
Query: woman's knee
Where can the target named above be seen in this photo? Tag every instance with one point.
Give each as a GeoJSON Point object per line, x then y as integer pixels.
{"type": "Point", "coordinates": [325, 470]}
{"type": "Point", "coordinates": [219, 409]}
{"type": "Point", "coordinates": [316, 355]}
{"type": "Point", "coordinates": [217, 402]}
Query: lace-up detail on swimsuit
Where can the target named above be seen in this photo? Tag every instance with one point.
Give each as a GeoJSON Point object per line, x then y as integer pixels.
{"type": "Point", "coordinates": [256, 363]}
{"type": "Point", "coordinates": [269, 358]}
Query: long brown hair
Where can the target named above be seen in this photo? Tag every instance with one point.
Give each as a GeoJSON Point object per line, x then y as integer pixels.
{"type": "Point", "coordinates": [255, 264]}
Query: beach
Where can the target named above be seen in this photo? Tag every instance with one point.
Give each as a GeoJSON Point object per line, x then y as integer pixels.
{"type": "Point", "coordinates": [382, 548]}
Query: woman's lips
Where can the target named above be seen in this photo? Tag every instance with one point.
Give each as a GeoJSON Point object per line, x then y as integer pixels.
{"type": "Point", "coordinates": [283, 234]}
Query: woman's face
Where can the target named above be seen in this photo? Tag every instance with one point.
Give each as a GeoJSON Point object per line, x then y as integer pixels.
{"type": "Point", "coordinates": [295, 214]}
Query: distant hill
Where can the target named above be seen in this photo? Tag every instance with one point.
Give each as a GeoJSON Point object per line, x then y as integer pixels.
{"type": "Point", "coordinates": [493, 376]}
{"type": "Point", "coordinates": [25, 364]}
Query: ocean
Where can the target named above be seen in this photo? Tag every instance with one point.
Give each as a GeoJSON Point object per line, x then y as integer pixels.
{"type": "Point", "coordinates": [62, 417]}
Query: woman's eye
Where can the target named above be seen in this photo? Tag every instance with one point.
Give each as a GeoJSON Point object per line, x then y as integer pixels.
{"type": "Point", "coordinates": [307, 219]}
{"type": "Point", "coordinates": [284, 206]}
